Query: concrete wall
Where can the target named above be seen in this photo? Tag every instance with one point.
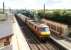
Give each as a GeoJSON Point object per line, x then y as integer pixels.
{"type": "Point", "coordinates": [9, 47]}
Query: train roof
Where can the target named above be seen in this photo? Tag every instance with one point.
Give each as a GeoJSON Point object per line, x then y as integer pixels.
{"type": "Point", "coordinates": [42, 25]}
{"type": "Point", "coordinates": [37, 24]}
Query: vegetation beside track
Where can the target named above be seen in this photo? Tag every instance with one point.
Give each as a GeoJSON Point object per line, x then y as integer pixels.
{"type": "Point", "coordinates": [59, 15]}
{"type": "Point", "coordinates": [62, 16]}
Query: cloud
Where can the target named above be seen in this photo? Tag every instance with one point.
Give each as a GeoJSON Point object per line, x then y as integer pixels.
{"type": "Point", "coordinates": [59, 4]}
{"type": "Point", "coordinates": [36, 4]}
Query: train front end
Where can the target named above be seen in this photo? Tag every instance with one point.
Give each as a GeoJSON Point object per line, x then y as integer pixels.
{"type": "Point", "coordinates": [44, 31]}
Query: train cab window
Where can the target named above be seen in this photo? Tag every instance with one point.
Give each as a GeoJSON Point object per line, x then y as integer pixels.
{"type": "Point", "coordinates": [45, 29]}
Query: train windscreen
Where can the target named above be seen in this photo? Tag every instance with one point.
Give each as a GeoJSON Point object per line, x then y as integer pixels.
{"type": "Point", "coordinates": [44, 29]}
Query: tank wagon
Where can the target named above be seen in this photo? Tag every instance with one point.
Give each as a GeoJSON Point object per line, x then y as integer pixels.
{"type": "Point", "coordinates": [41, 30]}
{"type": "Point", "coordinates": [58, 29]}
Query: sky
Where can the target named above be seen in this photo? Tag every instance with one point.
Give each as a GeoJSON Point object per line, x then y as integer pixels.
{"type": "Point", "coordinates": [36, 4]}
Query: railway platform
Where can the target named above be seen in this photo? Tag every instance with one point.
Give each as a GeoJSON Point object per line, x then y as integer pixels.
{"type": "Point", "coordinates": [18, 40]}
{"type": "Point", "coordinates": [11, 36]}
{"type": "Point", "coordinates": [63, 42]}
{"type": "Point", "coordinates": [5, 26]}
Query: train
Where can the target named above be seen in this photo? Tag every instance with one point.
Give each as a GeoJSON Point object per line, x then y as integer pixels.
{"type": "Point", "coordinates": [41, 30]}
{"type": "Point", "coordinates": [58, 29]}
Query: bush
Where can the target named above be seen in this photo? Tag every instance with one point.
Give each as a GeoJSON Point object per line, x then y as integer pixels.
{"type": "Point", "coordinates": [60, 16]}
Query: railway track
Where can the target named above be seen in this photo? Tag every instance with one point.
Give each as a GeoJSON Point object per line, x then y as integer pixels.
{"type": "Point", "coordinates": [33, 42]}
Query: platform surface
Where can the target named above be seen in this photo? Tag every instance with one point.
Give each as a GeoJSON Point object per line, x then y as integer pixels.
{"type": "Point", "coordinates": [5, 27]}
{"type": "Point", "coordinates": [18, 40]}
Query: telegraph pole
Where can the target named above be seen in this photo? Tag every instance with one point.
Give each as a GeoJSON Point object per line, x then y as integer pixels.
{"type": "Point", "coordinates": [3, 8]}
{"type": "Point", "coordinates": [44, 9]}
